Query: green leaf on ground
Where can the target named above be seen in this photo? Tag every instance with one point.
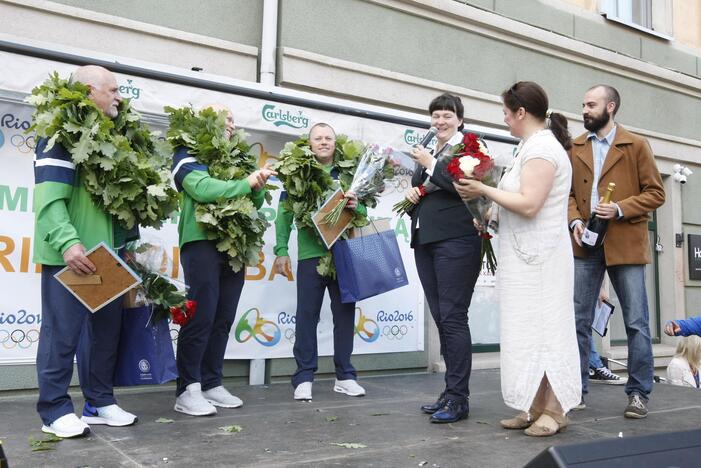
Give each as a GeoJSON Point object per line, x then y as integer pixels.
{"type": "Point", "coordinates": [349, 445]}
{"type": "Point", "coordinates": [233, 429]}
{"type": "Point", "coordinates": [38, 445]}
{"type": "Point", "coordinates": [164, 420]}
{"type": "Point", "coordinates": [331, 418]}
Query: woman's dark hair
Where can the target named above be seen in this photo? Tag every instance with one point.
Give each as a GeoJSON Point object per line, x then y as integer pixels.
{"type": "Point", "coordinates": [531, 96]}
{"type": "Point", "coordinates": [447, 101]}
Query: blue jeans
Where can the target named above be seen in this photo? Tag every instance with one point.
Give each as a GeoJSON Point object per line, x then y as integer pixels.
{"type": "Point", "coordinates": [595, 361]}
{"type": "Point", "coordinates": [629, 283]}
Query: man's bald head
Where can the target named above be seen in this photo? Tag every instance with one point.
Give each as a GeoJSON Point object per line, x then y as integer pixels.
{"type": "Point", "coordinates": [218, 108]}
{"type": "Point", "coordinates": [104, 91]}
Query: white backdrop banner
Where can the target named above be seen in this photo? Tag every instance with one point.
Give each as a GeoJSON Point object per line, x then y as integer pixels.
{"type": "Point", "coordinates": [265, 321]}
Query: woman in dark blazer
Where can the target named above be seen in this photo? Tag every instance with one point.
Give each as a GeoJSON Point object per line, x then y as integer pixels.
{"type": "Point", "coordinates": [447, 253]}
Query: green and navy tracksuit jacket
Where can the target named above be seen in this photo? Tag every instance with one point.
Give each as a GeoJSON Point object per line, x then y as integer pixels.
{"type": "Point", "coordinates": [192, 179]}
{"type": "Point", "coordinates": [64, 213]}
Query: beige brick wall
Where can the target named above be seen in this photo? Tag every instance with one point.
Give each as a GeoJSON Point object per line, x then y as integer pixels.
{"type": "Point", "coordinates": [686, 16]}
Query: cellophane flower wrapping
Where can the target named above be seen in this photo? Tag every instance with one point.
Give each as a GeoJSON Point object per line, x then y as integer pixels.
{"type": "Point", "coordinates": [150, 260]}
{"type": "Point", "coordinates": [471, 160]}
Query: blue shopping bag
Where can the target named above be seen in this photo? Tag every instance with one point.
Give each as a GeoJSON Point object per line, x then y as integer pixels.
{"type": "Point", "coordinates": [145, 350]}
{"type": "Point", "coordinates": [368, 265]}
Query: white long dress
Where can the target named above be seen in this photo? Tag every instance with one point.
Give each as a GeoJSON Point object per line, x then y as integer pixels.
{"type": "Point", "coordinates": [535, 282]}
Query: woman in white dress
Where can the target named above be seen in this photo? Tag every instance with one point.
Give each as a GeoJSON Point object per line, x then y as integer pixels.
{"type": "Point", "coordinates": [535, 278]}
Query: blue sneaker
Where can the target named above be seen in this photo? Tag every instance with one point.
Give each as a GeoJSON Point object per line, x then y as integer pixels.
{"type": "Point", "coordinates": [453, 411]}
{"type": "Point", "coordinates": [111, 415]}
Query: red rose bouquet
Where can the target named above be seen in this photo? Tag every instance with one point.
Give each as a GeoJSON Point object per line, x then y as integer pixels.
{"type": "Point", "coordinates": [471, 160]}
{"type": "Point", "coordinates": [166, 296]}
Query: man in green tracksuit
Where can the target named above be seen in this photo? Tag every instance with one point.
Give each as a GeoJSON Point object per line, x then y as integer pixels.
{"type": "Point", "coordinates": [67, 223]}
{"type": "Point", "coordinates": [311, 287]}
{"type": "Point", "coordinates": [213, 284]}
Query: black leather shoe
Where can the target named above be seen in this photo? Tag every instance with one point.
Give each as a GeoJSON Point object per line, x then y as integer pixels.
{"type": "Point", "coordinates": [433, 407]}
{"type": "Point", "coordinates": [454, 410]}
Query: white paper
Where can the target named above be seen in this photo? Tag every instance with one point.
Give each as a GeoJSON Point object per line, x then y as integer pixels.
{"type": "Point", "coordinates": [602, 314]}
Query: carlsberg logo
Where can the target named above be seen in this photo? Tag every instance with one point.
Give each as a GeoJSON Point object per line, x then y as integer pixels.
{"type": "Point", "coordinates": [280, 117]}
{"type": "Point", "coordinates": [412, 137]}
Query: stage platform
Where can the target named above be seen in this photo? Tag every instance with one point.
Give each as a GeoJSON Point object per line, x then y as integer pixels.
{"type": "Point", "coordinates": [278, 432]}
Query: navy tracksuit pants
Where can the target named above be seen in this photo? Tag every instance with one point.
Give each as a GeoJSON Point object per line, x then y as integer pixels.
{"type": "Point", "coordinates": [310, 294]}
{"type": "Point", "coordinates": [64, 319]}
{"type": "Point", "coordinates": [217, 289]}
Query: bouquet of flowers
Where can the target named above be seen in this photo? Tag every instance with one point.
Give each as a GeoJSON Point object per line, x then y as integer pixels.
{"type": "Point", "coordinates": [368, 181]}
{"type": "Point", "coordinates": [308, 184]}
{"type": "Point", "coordinates": [166, 295]}
{"type": "Point", "coordinates": [471, 160]}
{"type": "Point", "coordinates": [405, 206]}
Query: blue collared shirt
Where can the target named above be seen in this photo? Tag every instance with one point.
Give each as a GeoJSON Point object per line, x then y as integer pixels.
{"type": "Point", "coordinates": [600, 148]}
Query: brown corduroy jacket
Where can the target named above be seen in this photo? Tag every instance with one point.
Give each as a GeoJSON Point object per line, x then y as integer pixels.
{"type": "Point", "coordinates": [630, 164]}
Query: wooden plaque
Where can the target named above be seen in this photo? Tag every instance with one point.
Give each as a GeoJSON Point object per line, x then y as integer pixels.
{"type": "Point", "coordinates": [111, 279]}
{"type": "Point", "coordinates": [330, 233]}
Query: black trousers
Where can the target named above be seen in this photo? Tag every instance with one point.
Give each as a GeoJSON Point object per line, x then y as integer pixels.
{"type": "Point", "coordinates": [448, 271]}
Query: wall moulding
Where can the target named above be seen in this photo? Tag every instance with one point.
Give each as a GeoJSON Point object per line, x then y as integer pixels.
{"type": "Point", "coordinates": [523, 35]}
{"type": "Point", "coordinates": [309, 71]}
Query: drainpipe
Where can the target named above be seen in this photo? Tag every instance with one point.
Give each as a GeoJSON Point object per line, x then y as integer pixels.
{"type": "Point", "coordinates": [268, 46]}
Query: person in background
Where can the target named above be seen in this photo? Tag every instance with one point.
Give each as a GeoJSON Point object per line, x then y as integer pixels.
{"type": "Point", "coordinates": [448, 260]}
{"type": "Point", "coordinates": [684, 327]}
{"type": "Point", "coordinates": [535, 277]}
{"type": "Point", "coordinates": [683, 369]}
{"type": "Point", "coordinates": [598, 372]}
{"type": "Point", "coordinates": [607, 153]}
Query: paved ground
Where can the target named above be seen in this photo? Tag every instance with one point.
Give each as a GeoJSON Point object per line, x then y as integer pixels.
{"type": "Point", "coordinates": [277, 431]}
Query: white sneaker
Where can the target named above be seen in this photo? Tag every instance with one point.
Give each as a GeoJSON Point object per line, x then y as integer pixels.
{"type": "Point", "coordinates": [111, 415]}
{"type": "Point", "coordinates": [219, 396]}
{"type": "Point", "coordinates": [303, 391]}
{"type": "Point", "coordinates": [350, 387]}
{"type": "Point", "coordinates": [67, 426]}
{"type": "Point", "coordinates": [193, 403]}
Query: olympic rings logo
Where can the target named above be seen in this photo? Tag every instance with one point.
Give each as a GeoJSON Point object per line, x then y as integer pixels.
{"type": "Point", "coordinates": [394, 332]}
{"type": "Point", "coordinates": [265, 332]}
{"type": "Point", "coordinates": [361, 329]}
{"type": "Point", "coordinates": [290, 335]}
{"type": "Point", "coordinates": [19, 338]}
{"type": "Point", "coordinates": [22, 143]}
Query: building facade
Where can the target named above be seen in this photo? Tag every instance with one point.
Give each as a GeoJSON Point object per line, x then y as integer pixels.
{"type": "Point", "coordinates": [399, 54]}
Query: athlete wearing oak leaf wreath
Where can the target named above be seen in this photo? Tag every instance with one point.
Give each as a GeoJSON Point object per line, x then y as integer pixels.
{"type": "Point", "coordinates": [220, 199]}
{"type": "Point", "coordinates": [70, 217]}
{"type": "Point", "coordinates": [322, 158]}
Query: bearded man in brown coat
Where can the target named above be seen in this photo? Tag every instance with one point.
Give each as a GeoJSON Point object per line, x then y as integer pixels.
{"type": "Point", "coordinates": [610, 153]}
